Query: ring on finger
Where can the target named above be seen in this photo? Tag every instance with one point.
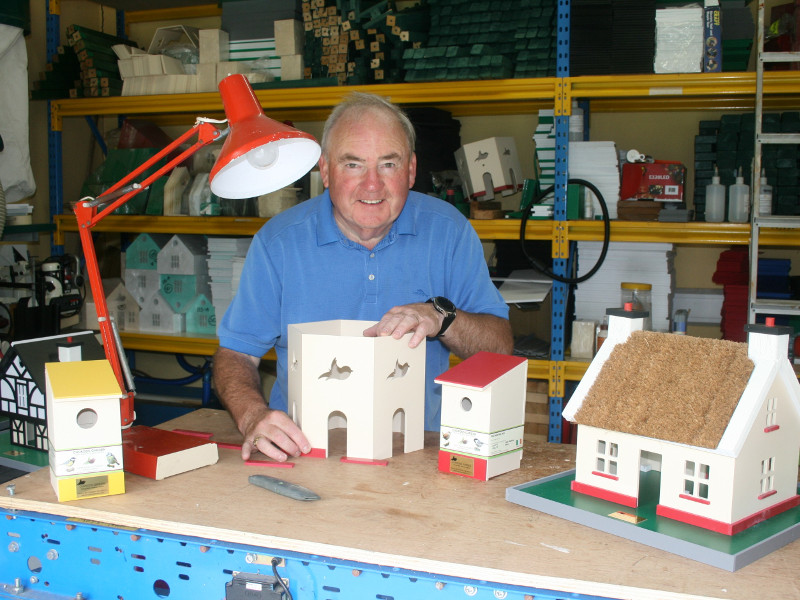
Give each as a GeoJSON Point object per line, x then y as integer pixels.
{"type": "Point", "coordinates": [256, 439]}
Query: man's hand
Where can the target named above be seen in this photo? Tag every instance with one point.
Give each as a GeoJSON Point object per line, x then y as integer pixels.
{"type": "Point", "coordinates": [274, 434]}
{"type": "Point", "coordinates": [420, 318]}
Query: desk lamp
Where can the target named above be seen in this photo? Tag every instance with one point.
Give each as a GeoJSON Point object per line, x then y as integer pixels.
{"type": "Point", "coordinates": [259, 156]}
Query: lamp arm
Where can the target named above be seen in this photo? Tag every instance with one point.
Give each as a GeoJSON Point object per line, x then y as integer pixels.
{"type": "Point", "coordinates": [86, 212]}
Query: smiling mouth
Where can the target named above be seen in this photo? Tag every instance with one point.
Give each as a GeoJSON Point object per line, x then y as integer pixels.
{"type": "Point", "coordinates": [371, 201]}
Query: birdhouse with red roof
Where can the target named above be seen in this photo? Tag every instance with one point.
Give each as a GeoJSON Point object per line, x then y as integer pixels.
{"type": "Point", "coordinates": [483, 415]}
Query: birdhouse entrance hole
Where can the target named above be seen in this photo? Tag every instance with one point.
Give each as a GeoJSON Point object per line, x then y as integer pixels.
{"type": "Point", "coordinates": [86, 418]}
{"type": "Point", "coordinates": [466, 404]}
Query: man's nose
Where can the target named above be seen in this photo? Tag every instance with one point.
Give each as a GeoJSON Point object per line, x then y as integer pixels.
{"type": "Point", "coordinates": [372, 177]}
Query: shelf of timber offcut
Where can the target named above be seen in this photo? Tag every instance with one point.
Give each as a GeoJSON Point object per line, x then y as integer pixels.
{"type": "Point", "coordinates": [695, 232]}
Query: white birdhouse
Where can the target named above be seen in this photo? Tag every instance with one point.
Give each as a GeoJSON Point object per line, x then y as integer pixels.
{"type": "Point", "coordinates": [483, 415]}
{"type": "Point", "coordinates": [84, 434]}
{"type": "Point", "coordinates": [374, 385]}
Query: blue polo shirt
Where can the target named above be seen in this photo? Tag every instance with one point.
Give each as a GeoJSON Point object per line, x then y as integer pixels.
{"type": "Point", "coordinates": [300, 269]}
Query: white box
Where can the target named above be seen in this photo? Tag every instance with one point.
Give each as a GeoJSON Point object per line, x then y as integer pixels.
{"type": "Point", "coordinates": [214, 45]}
{"type": "Point", "coordinates": [207, 80]}
{"type": "Point", "coordinates": [292, 67]}
{"type": "Point", "coordinates": [377, 383]}
{"type": "Point", "coordinates": [489, 166]}
{"type": "Point", "coordinates": [289, 37]}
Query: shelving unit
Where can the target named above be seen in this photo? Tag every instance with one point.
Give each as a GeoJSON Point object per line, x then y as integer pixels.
{"type": "Point", "coordinates": [790, 225]}
{"type": "Point", "coordinates": [629, 93]}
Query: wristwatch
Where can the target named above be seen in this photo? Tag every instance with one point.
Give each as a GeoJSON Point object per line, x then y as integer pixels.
{"type": "Point", "coordinates": [447, 308]}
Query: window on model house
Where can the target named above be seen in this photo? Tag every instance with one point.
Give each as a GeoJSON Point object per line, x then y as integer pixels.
{"type": "Point", "coordinates": [607, 453]}
{"type": "Point", "coordinates": [767, 475]}
{"type": "Point", "coordinates": [695, 481]}
{"type": "Point", "coordinates": [772, 414]}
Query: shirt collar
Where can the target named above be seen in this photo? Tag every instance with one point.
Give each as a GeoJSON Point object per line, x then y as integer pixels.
{"type": "Point", "coordinates": [328, 231]}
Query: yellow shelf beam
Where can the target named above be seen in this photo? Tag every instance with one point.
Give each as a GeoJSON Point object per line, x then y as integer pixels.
{"type": "Point", "coordinates": [478, 97]}
{"type": "Point", "coordinates": [695, 232]}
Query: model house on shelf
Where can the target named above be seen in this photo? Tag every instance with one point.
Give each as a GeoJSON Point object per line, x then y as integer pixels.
{"type": "Point", "coordinates": [22, 381]}
{"type": "Point", "coordinates": [158, 316]}
{"type": "Point", "coordinates": [141, 264]}
{"type": "Point", "coordinates": [183, 255]}
{"type": "Point", "coordinates": [719, 420]}
{"type": "Point", "coordinates": [371, 385]}
{"type": "Point", "coordinates": [201, 316]}
{"type": "Point", "coordinates": [84, 433]}
{"type": "Point", "coordinates": [483, 415]}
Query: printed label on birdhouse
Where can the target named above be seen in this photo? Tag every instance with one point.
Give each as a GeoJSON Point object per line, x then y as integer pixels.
{"type": "Point", "coordinates": [79, 461]}
{"type": "Point", "coordinates": [462, 465]}
{"type": "Point", "coordinates": [480, 443]}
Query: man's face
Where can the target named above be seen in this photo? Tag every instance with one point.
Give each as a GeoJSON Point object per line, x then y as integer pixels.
{"type": "Point", "coordinates": [369, 170]}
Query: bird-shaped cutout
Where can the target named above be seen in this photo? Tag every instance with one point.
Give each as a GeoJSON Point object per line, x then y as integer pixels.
{"type": "Point", "coordinates": [399, 370]}
{"type": "Point", "coordinates": [336, 372]}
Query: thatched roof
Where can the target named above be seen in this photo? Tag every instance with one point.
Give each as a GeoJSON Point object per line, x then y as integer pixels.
{"type": "Point", "coordinates": [670, 387]}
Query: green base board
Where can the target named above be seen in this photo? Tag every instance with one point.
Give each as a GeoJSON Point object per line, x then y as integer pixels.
{"type": "Point", "coordinates": [17, 457]}
{"type": "Point", "coordinates": [552, 495]}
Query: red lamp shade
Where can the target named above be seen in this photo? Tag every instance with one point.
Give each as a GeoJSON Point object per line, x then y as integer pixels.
{"type": "Point", "coordinates": [260, 155]}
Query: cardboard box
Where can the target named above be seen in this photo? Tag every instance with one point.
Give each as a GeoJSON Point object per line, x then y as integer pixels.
{"type": "Point", "coordinates": [712, 37]}
{"type": "Point", "coordinates": [660, 180]}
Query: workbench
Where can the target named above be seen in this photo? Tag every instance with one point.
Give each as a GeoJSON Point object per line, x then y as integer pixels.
{"type": "Point", "coordinates": [404, 530]}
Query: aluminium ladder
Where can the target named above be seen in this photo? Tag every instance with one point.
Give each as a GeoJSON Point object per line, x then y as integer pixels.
{"type": "Point", "coordinates": [755, 306]}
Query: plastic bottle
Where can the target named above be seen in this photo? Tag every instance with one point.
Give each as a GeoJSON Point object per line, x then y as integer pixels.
{"type": "Point", "coordinates": [739, 200]}
{"type": "Point", "coordinates": [764, 196]}
{"type": "Point", "coordinates": [715, 199]}
{"type": "Point", "coordinates": [640, 297]}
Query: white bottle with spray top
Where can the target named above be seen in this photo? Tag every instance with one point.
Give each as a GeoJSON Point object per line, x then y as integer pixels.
{"type": "Point", "coordinates": [715, 199]}
{"type": "Point", "coordinates": [764, 196]}
{"type": "Point", "coordinates": [739, 200]}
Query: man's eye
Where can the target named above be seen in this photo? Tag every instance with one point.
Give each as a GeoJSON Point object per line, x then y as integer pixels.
{"type": "Point", "coordinates": [389, 165]}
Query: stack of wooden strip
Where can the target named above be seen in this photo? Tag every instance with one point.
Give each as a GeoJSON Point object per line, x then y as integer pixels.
{"type": "Point", "coordinates": [360, 42]}
{"type": "Point", "coordinates": [61, 74]}
{"type": "Point", "coordinates": [99, 73]}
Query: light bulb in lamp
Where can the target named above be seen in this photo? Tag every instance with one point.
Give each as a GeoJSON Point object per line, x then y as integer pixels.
{"type": "Point", "coordinates": [260, 155]}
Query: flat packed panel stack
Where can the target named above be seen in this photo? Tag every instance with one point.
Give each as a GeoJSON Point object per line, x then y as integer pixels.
{"type": "Point", "coordinates": [728, 144]}
{"type": "Point", "coordinates": [486, 40]}
{"type": "Point", "coordinates": [60, 75]}
{"type": "Point", "coordinates": [360, 42]}
{"type": "Point", "coordinates": [99, 73]}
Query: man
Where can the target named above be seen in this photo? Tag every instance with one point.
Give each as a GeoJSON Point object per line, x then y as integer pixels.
{"type": "Point", "coordinates": [366, 249]}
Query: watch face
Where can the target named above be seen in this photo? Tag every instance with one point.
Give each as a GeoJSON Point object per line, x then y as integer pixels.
{"type": "Point", "coordinates": [445, 304]}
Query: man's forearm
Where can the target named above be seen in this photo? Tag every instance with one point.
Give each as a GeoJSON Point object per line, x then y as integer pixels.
{"type": "Point", "coordinates": [476, 332]}
{"type": "Point", "coordinates": [238, 386]}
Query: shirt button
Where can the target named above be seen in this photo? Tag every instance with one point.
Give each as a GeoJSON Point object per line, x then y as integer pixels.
{"type": "Point", "coordinates": [372, 255]}
{"type": "Point", "coordinates": [371, 277]}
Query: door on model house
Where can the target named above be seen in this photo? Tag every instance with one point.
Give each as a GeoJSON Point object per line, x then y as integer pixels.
{"type": "Point", "coordinates": [649, 478]}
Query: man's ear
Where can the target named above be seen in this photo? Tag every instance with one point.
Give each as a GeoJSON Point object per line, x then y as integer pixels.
{"type": "Point", "coordinates": [323, 170]}
{"type": "Point", "coordinates": [412, 170]}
